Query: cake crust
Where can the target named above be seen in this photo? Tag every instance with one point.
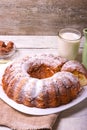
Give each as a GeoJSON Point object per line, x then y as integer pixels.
{"type": "Point", "coordinates": [38, 81]}
{"type": "Point", "coordinates": [77, 69]}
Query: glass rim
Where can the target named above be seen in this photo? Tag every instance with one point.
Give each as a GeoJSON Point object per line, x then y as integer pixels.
{"type": "Point", "coordinates": [85, 30]}
{"type": "Point", "coordinates": [71, 30]}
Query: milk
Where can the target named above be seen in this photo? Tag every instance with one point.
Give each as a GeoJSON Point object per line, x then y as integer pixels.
{"type": "Point", "coordinates": [68, 45]}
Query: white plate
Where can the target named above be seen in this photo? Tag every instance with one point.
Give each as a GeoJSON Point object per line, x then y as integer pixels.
{"type": "Point", "coordinates": [38, 111]}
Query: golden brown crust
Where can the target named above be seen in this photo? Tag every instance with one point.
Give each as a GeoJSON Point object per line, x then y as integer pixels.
{"type": "Point", "coordinates": [77, 69]}
{"type": "Point", "coordinates": [74, 65]}
{"type": "Point", "coordinates": [36, 82]}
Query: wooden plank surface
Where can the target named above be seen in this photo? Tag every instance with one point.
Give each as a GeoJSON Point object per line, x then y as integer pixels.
{"type": "Point", "coordinates": [31, 45]}
{"type": "Point", "coordinates": [45, 42]}
{"type": "Point", "coordinates": [41, 17]}
{"type": "Point", "coordinates": [32, 41]}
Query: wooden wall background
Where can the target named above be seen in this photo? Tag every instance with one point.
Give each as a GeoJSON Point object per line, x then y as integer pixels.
{"type": "Point", "coordinates": [41, 17]}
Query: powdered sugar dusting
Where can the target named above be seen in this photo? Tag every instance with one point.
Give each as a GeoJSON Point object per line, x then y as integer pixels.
{"type": "Point", "coordinates": [33, 88]}
{"type": "Point", "coordinates": [64, 75]}
{"type": "Point", "coordinates": [49, 60]}
{"type": "Point", "coordinates": [74, 66]}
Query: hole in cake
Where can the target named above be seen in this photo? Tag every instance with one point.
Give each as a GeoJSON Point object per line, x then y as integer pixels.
{"type": "Point", "coordinates": [41, 72]}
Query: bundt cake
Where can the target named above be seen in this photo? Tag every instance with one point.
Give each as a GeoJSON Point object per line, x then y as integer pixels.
{"type": "Point", "coordinates": [38, 81]}
{"type": "Point", "coordinates": [77, 69]}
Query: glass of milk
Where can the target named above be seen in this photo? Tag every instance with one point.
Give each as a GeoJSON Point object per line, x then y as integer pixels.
{"type": "Point", "coordinates": [69, 42]}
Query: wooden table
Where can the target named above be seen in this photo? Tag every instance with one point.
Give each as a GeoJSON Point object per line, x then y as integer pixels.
{"type": "Point", "coordinates": [22, 17]}
{"type": "Point", "coordinates": [74, 118]}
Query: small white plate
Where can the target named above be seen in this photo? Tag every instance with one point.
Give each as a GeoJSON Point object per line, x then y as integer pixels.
{"type": "Point", "coordinates": [38, 111]}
